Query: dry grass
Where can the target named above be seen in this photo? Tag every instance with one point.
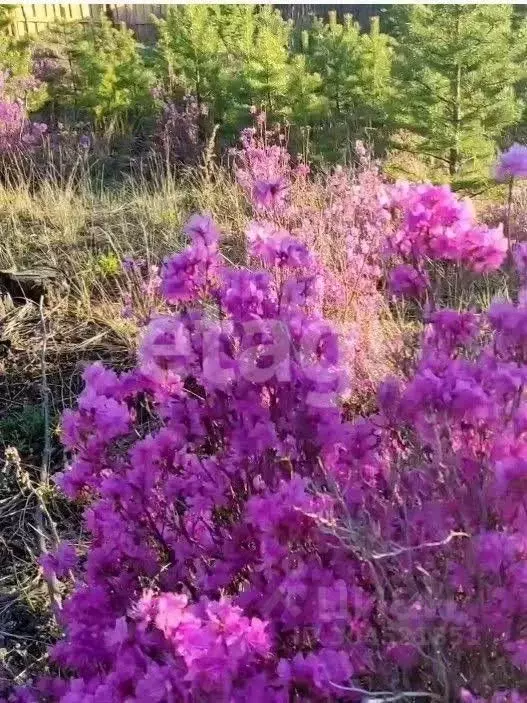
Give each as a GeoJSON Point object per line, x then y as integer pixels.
{"type": "Point", "coordinates": [26, 622]}
{"type": "Point", "coordinates": [83, 230]}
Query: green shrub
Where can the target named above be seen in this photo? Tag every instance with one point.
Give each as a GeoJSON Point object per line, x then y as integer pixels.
{"type": "Point", "coordinates": [23, 429]}
{"type": "Point", "coordinates": [16, 67]}
{"type": "Point", "coordinates": [107, 265]}
{"type": "Point", "coordinates": [108, 79]}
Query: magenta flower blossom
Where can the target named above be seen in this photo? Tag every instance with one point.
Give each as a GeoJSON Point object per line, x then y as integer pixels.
{"type": "Point", "coordinates": [404, 655]}
{"type": "Point", "coordinates": [519, 255]}
{"type": "Point", "coordinates": [166, 352]}
{"type": "Point", "coordinates": [60, 562]}
{"type": "Point", "coordinates": [192, 272]}
{"type": "Point", "coordinates": [202, 230]}
{"type": "Point", "coordinates": [511, 163]}
{"type": "Point", "coordinates": [437, 225]}
{"type": "Point", "coordinates": [450, 329]}
{"type": "Point", "coordinates": [406, 281]}
{"type": "Point", "coordinates": [484, 248]}
{"type": "Point", "coordinates": [270, 194]}
{"type": "Point", "coordinates": [276, 247]}
{"type": "Point", "coordinates": [247, 293]}
{"type": "Point", "coordinates": [259, 232]}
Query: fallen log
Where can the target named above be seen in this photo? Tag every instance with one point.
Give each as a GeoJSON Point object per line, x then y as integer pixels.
{"type": "Point", "coordinates": [30, 284]}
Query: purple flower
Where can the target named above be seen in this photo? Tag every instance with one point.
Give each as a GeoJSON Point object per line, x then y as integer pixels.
{"type": "Point", "coordinates": [232, 475]}
{"type": "Point", "coordinates": [519, 255]}
{"type": "Point", "coordinates": [191, 273]}
{"type": "Point", "coordinates": [451, 329]}
{"type": "Point", "coordinates": [60, 562]}
{"type": "Point", "coordinates": [276, 247]}
{"type": "Point", "coordinates": [436, 224]}
{"type": "Point", "coordinates": [406, 281]}
{"type": "Point", "coordinates": [270, 194]}
{"type": "Point", "coordinates": [511, 163]}
{"type": "Point", "coordinates": [404, 655]}
{"type": "Point", "coordinates": [166, 352]}
{"type": "Point", "coordinates": [188, 274]}
{"type": "Point", "coordinates": [484, 248]}
{"type": "Point", "coordinates": [202, 230]}
{"type": "Point", "coordinates": [84, 142]}
{"type": "Point", "coordinates": [246, 293]}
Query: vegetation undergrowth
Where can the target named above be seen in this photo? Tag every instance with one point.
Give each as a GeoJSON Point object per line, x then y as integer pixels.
{"type": "Point", "coordinates": [302, 478]}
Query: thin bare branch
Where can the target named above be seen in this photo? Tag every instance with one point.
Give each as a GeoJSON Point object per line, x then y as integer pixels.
{"type": "Point", "coordinates": [41, 510]}
{"type": "Point", "coordinates": [425, 545]}
{"type": "Point", "coordinates": [386, 696]}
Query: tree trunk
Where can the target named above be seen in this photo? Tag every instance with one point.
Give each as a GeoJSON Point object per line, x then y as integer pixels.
{"type": "Point", "coordinates": [455, 150]}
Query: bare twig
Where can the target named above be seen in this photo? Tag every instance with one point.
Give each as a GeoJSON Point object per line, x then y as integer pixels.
{"type": "Point", "coordinates": [41, 510]}
{"type": "Point", "coordinates": [46, 453]}
{"type": "Point", "coordinates": [507, 228]}
{"type": "Point", "coordinates": [425, 545]}
{"type": "Point", "coordinates": [386, 696]}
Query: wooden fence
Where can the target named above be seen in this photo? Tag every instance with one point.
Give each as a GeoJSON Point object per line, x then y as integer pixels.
{"type": "Point", "coordinates": [31, 19]}
{"type": "Point", "coordinates": [139, 18]}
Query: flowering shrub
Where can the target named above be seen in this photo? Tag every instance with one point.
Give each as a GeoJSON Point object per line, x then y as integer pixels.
{"type": "Point", "coordinates": [249, 542]}
{"type": "Point", "coordinates": [17, 132]}
{"type": "Point", "coordinates": [344, 219]}
{"type": "Point", "coordinates": [351, 220]}
{"type": "Point", "coordinates": [436, 225]}
{"type": "Point", "coordinates": [177, 135]}
{"type": "Point", "coordinates": [512, 163]}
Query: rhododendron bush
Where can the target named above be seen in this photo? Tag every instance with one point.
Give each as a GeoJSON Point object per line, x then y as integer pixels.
{"type": "Point", "coordinates": [249, 539]}
{"type": "Point", "coordinates": [344, 217]}
{"type": "Point", "coordinates": [17, 132]}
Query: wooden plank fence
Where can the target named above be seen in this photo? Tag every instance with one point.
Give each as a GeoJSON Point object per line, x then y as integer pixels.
{"type": "Point", "coordinates": [139, 18]}
{"type": "Point", "coordinates": [31, 19]}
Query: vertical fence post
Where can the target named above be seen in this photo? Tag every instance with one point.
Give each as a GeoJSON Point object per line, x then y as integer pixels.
{"type": "Point", "coordinates": [24, 15]}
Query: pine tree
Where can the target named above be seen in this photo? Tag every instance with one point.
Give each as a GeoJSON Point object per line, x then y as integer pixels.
{"type": "Point", "coordinates": [355, 69]}
{"type": "Point", "coordinates": [375, 86]}
{"type": "Point", "coordinates": [457, 67]}
{"type": "Point", "coordinates": [335, 54]}
{"type": "Point", "coordinates": [236, 26]}
{"type": "Point", "coordinates": [190, 54]}
{"type": "Point", "coordinates": [266, 69]}
{"type": "Point", "coordinates": [307, 104]}
{"type": "Point", "coordinates": [113, 83]}
{"type": "Point", "coordinates": [231, 57]}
